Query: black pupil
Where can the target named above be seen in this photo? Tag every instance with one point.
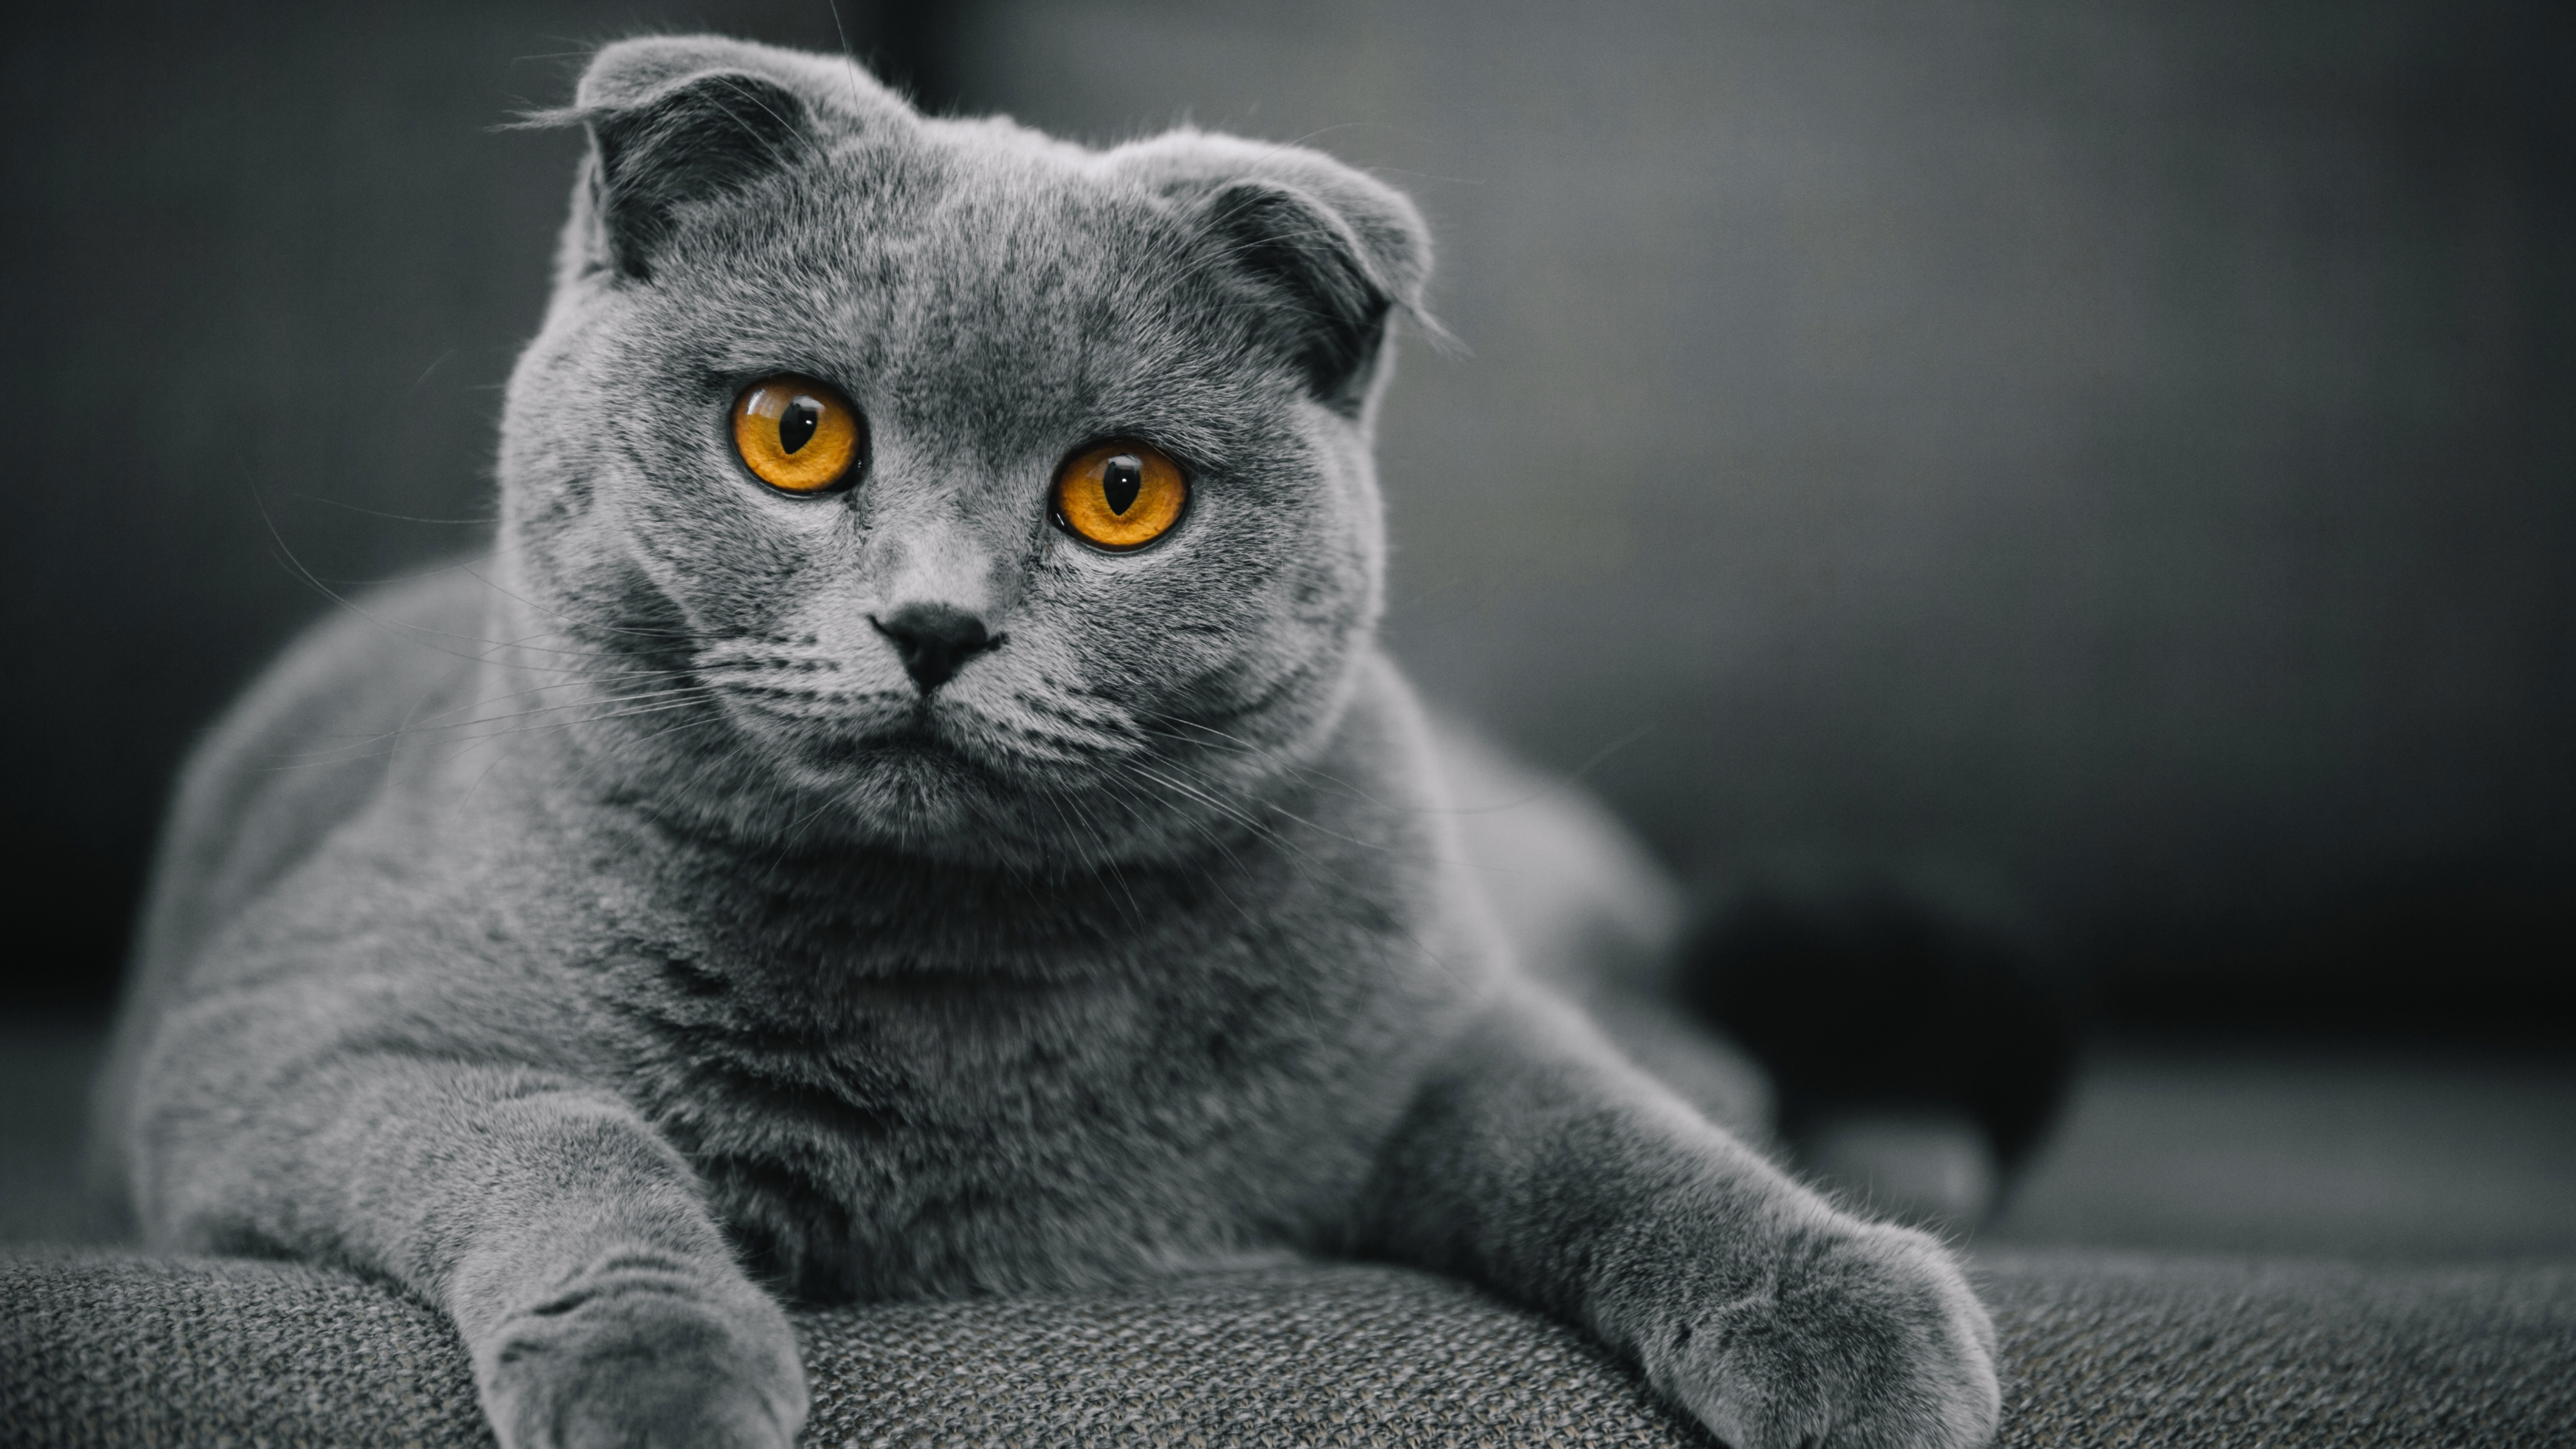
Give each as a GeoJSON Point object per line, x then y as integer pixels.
{"type": "Point", "coordinates": [796, 425]}
{"type": "Point", "coordinates": [1121, 479]}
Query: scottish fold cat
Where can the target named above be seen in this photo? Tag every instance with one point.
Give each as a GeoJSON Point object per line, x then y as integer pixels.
{"type": "Point", "coordinates": [914, 807]}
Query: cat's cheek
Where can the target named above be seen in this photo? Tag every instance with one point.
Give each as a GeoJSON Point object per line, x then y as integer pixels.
{"type": "Point", "coordinates": [735, 561]}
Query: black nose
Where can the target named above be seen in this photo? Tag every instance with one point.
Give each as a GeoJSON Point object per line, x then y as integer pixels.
{"type": "Point", "coordinates": [934, 641]}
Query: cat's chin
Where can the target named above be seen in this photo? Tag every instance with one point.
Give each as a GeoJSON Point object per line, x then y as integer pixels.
{"type": "Point", "coordinates": [900, 745]}
{"type": "Point", "coordinates": [901, 780]}
{"type": "Point", "coordinates": [905, 760]}
{"type": "Point", "coordinates": [942, 780]}
{"type": "Point", "coordinates": [912, 794]}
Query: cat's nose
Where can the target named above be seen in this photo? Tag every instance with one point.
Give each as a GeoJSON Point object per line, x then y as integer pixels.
{"type": "Point", "coordinates": [934, 640]}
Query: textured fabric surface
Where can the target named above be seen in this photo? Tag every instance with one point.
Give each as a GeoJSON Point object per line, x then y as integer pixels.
{"type": "Point", "coordinates": [128, 1350]}
{"type": "Point", "coordinates": [2152, 1352]}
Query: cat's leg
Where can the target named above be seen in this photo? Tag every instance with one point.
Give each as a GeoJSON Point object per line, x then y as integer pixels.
{"type": "Point", "coordinates": [1537, 1162]}
{"type": "Point", "coordinates": [571, 1245]}
{"type": "Point", "coordinates": [1587, 910]}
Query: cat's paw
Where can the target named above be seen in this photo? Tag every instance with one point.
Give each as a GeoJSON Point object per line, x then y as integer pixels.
{"type": "Point", "coordinates": [645, 1358]}
{"type": "Point", "coordinates": [1862, 1337]}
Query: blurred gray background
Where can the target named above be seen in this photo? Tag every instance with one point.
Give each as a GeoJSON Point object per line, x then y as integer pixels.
{"type": "Point", "coordinates": [2122, 451]}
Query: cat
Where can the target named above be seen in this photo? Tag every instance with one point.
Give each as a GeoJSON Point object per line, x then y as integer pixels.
{"type": "Point", "coordinates": [915, 807]}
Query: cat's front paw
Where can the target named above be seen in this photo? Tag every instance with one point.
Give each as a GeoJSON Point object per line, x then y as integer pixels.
{"type": "Point", "coordinates": [1860, 1337]}
{"type": "Point", "coordinates": [644, 1358]}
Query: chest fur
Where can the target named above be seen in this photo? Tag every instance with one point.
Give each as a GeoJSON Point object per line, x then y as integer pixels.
{"type": "Point", "coordinates": [870, 1128]}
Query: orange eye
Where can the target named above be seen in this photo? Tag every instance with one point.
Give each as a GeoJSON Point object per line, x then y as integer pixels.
{"type": "Point", "coordinates": [1120, 495]}
{"type": "Point", "coordinates": [797, 435]}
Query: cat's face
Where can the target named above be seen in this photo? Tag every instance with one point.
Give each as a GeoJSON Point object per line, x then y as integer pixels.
{"type": "Point", "coordinates": [990, 306]}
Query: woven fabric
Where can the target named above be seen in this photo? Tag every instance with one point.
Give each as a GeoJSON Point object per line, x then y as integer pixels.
{"type": "Point", "coordinates": [2103, 1350]}
{"type": "Point", "coordinates": [195, 1353]}
{"type": "Point", "coordinates": [1284, 1357]}
{"type": "Point", "coordinates": [115, 1350]}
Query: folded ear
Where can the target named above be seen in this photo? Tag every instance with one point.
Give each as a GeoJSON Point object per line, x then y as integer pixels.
{"type": "Point", "coordinates": [675, 119]}
{"type": "Point", "coordinates": [1325, 253]}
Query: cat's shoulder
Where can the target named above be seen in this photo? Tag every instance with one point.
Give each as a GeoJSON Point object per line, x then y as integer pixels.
{"type": "Point", "coordinates": [367, 660]}
{"type": "Point", "coordinates": [310, 741]}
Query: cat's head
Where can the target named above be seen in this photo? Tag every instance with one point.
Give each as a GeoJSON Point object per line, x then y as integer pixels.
{"type": "Point", "coordinates": [959, 489]}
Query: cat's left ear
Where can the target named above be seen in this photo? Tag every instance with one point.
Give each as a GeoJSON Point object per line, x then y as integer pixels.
{"type": "Point", "coordinates": [1326, 254]}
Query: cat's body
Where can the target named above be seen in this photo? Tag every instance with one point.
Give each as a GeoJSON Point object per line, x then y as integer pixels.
{"type": "Point", "coordinates": [559, 944]}
{"type": "Point", "coordinates": [895, 1078]}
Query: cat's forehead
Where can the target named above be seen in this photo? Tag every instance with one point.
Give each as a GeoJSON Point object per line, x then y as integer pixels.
{"type": "Point", "coordinates": [1011, 250]}
{"type": "Point", "coordinates": [979, 271]}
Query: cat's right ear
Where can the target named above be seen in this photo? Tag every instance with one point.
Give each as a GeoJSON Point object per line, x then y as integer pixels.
{"type": "Point", "coordinates": [680, 119]}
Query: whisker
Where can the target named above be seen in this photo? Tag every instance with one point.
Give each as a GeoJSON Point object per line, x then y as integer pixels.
{"type": "Point", "coordinates": [395, 517]}
{"type": "Point", "coordinates": [423, 726]}
{"type": "Point", "coordinates": [556, 614]}
{"type": "Point", "coordinates": [478, 741]}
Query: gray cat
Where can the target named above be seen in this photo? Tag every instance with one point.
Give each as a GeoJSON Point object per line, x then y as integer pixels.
{"type": "Point", "coordinates": [916, 809]}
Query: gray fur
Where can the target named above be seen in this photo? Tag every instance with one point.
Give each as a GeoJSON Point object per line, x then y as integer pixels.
{"type": "Point", "coordinates": [579, 943]}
